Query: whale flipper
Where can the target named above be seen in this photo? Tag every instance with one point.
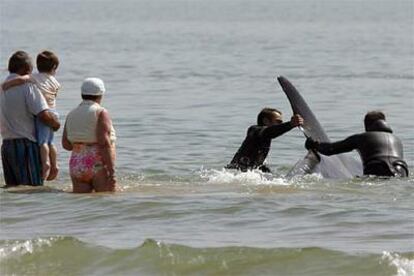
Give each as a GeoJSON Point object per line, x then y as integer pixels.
{"type": "Point", "coordinates": [335, 166]}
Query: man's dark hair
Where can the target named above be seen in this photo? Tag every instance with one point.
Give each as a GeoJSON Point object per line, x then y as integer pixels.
{"type": "Point", "coordinates": [373, 116]}
{"type": "Point", "coordinates": [46, 61]}
{"type": "Point", "coordinates": [267, 113]}
{"type": "Point", "coordinates": [91, 97]}
{"type": "Point", "coordinates": [20, 61]}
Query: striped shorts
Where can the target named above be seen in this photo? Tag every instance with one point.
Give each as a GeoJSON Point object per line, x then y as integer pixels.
{"type": "Point", "coordinates": [21, 162]}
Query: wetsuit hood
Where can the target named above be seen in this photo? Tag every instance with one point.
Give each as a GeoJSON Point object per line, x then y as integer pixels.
{"type": "Point", "coordinates": [379, 125]}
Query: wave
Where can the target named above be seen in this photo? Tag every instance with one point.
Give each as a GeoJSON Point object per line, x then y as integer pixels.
{"type": "Point", "coordinates": [70, 256]}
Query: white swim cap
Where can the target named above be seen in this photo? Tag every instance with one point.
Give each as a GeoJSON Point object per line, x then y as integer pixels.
{"type": "Point", "coordinates": [93, 87]}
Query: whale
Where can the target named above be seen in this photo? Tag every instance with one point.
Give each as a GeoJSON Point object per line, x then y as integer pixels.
{"type": "Point", "coordinates": [336, 166]}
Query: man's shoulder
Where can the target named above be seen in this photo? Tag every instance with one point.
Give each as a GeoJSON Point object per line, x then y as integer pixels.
{"type": "Point", "coordinates": [18, 91]}
{"type": "Point", "coordinates": [375, 133]}
{"type": "Point", "coordinates": [357, 138]}
{"type": "Point", "coordinates": [10, 77]}
{"type": "Point", "coordinates": [34, 99]}
{"type": "Point", "coordinates": [255, 129]}
{"type": "Point", "coordinates": [30, 88]}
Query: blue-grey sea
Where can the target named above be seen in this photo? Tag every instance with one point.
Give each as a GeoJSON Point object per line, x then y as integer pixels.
{"type": "Point", "coordinates": [185, 79]}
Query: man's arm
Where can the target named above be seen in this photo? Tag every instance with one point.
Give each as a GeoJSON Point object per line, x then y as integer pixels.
{"type": "Point", "coordinates": [346, 145]}
{"type": "Point", "coordinates": [274, 131]}
{"type": "Point", "coordinates": [49, 119]}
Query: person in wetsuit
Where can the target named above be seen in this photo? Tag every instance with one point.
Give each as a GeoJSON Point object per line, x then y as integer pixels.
{"type": "Point", "coordinates": [255, 147]}
{"type": "Point", "coordinates": [380, 150]}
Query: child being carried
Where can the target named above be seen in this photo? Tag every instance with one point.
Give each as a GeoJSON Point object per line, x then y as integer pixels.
{"type": "Point", "coordinates": [47, 63]}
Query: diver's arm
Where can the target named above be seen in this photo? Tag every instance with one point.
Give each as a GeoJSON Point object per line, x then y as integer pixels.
{"type": "Point", "coordinates": [276, 130]}
{"type": "Point", "coordinates": [342, 146]}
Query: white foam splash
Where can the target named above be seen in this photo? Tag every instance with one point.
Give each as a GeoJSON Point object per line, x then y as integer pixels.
{"type": "Point", "coordinates": [405, 267]}
{"type": "Point", "coordinates": [19, 248]}
{"type": "Point", "coordinates": [254, 177]}
{"type": "Point", "coordinates": [314, 177]}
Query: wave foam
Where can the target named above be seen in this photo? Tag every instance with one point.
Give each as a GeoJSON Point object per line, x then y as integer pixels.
{"type": "Point", "coordinates": [405, 266]}
{"type": "Point", "coordinates": [19, 248]}
{"type": "Point", "coordinates": [68, 255]}
{"type": "Point", "coordinates": [254, 177]}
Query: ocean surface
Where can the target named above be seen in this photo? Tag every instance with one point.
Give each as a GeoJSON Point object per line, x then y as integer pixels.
{"type": "Point", "coordinates": [184, 81]}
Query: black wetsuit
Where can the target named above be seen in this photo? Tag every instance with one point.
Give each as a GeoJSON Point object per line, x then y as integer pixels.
{"type": "Point", "coordinates": [381, 151]}
{"type": "Point", "coordinates": [255, 147]}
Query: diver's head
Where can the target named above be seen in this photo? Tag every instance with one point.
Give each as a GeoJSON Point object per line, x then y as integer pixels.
{"type": "Point", "coordinates": [269, 116]}
{"type": "Point", "coordinates": [375, 121]}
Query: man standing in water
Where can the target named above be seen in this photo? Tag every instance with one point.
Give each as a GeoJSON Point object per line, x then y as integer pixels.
{"type": "Point", "coordinates": [18, 108]}
{"type": "Point", "coordinates": [255, 147]}
{"type": "Point", "coordinates": [380, 150]}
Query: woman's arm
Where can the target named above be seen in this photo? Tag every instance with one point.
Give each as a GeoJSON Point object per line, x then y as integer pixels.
{"type": "Point", "coordinates": [66, 144]}
{"type": "Point", "coordinates": [104, 141]}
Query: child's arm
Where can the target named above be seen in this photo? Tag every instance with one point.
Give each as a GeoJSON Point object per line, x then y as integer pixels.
{"type": "Point", "coordinates": [15, 82]}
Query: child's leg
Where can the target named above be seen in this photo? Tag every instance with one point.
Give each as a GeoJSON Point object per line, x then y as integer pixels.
{"type": "Point", "coordinates": [54, 169]}
{"type": "Point", "coordinates": [44, 155]}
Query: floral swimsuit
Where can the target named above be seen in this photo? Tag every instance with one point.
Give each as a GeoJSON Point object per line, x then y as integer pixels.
{"type": "Point", "coordinates": [85, 162]}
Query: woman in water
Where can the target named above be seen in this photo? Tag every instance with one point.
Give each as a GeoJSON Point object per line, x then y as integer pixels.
{"type": "Point", "coordinates": [89, 134]}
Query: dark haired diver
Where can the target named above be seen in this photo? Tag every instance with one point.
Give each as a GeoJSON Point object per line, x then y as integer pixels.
{"type": "Point", "coordinates": [255, 147]}
{"type": "Point", "coordinates": [380, 150]}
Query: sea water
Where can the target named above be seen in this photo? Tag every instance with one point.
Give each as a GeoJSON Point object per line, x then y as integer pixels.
{"type": "Point", "coordinates": [184, 81]}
